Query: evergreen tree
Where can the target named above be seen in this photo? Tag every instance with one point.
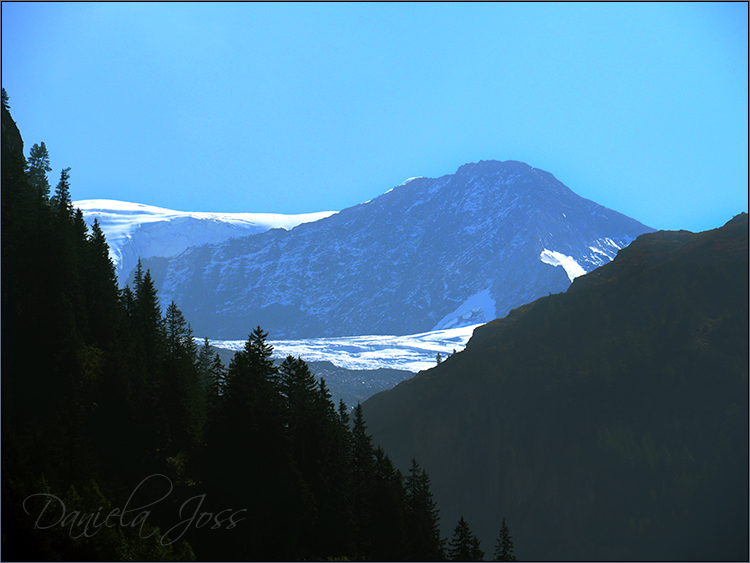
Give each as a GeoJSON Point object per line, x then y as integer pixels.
{"type": "Point", "coordinates": [38, 166]}
{"type": "Point", "coordinates": [389, 511]}
{"type": "Point", "coordinates": [205, 360]}
{"type": "Point", "coordinates": [363, 477]}
{"type": "Point", "coordinates": [6, 105]}
{"type": "Point", "coordinates": [344, 413]}
{"type": "Point", "coordinates": [182, 397]}
{"type": "Point", "coordinates": [99, 389]}
{"type": "Point", "coordinates": [218, 378]}
{"type": "Point", "coordinates": [504, 547]}
{"type": "Point", "coordinates": [61, 201]}
{"type": "Point", "coordinates": [104, 308]}
{"type": "Point", "coordinates": [423, 517]}
{"type": "Point", "coordinates": [147, 351]}
{"type": "Point", "coordinates": [251, 443]}
{"type": "Point", "coordinates": [304, 413]}
{"type": "Point", "coordinates": [464, 546]}
{"type": "Point", "coordinates": [68, 410]}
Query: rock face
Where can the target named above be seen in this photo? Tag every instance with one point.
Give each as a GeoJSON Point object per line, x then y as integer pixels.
{"type": "Point", "coordinates": [428, 254]}
{"type": "Point", "coordinates": [12, 143]}
{"type": "Point", "coordinates": [605, 423]}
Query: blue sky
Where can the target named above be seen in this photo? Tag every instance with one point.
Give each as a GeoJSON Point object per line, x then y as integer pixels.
{"type": "Point", "coordinates": [294, 108]}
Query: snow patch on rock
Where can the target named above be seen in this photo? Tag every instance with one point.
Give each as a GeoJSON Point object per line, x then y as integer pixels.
{"type": "Point", "coordinates": [478, 308]}
{"type": "Point", "coordinates": [571, 267]}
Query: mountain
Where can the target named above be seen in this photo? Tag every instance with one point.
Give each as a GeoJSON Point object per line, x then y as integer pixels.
{"type": "Point", "coordinates": [134, 230]}
{"type": "Point", "coordinates": [429, 254]}
{"type": "Point", "coordinates": [609, 422]}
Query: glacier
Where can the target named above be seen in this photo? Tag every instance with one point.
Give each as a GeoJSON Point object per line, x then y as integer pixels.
{"type": "Point", "coordinates": [415, 352]}
{"type": "Point", "coordinates": [136, 230]}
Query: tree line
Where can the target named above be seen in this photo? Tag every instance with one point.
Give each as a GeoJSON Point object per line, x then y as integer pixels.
{"type": "Point", "coordinates": [122, 439]}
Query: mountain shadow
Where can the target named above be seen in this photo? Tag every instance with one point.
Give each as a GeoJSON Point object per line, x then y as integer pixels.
{"type": "Point", "coordinates": [606, 423]}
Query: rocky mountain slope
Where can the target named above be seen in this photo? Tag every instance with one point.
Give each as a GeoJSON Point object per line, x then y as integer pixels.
{"type": "Point", "coordinates": [605, 423]}
{"type": "Point", "coordinates": [429, 254]}
{"type": "Point", "coordinates": [135, 230]}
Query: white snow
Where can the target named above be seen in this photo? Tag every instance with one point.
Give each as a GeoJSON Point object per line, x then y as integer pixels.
{"type": "Point", "coordinates": [613, 243]}
{"type": "Point", "coordinates": [478, 308]}
{"type": "Point", "coordinates": [136, 230]}
{"type": "Point", "coordinates": [412, 353]}
{"type": "Point", "coordinates": [571, 267]}
{"type": "Point", "coordinates": [409, 180]}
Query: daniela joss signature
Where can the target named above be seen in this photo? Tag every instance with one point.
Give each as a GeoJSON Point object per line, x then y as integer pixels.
{"type": "Point", "coordinates": [88, 524]}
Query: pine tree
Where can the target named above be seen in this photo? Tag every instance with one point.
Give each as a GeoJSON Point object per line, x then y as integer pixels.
{"type": "Point", "coordinates": [389, 511]}
{"type": "Point", "coordinates": [38, 166]}
{"type": "Point", "coordinates": [149, 323]}
{"type": "Point", "coordinates": [252, 445]}
{"type": "Point", "coordinates": [104, 309]}
{"type": "Point", "coordinates": [344, 413]}
{"type": "Point", "coordinates": [205, 359]}
{"type": "Point", "coordinates": [218, 377]}
{"type": "Point", "coordinates": [464, 546]}
{"type": "Point", "coordinates": [147, 353]}
{"type": "Point", "coordinates": [61, 201]}
{"type": "Point", "coordinates": [65, 393]}
{"type": "Point", "coordinates": [363, 477]}
{"type": "Point", "coordinates": [504, 547]}
{"type": "Point", "coordinates": [423, 517]}
{"type": "Point", "coordinates": [182, 398]}
{"type": "Point", "coordinates": [304, 413]}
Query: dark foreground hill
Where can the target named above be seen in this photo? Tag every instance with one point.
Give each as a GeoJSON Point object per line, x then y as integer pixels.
{"type": "Point", "coordinates": [607, 423]}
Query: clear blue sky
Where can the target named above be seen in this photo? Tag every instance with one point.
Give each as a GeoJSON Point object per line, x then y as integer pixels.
{"type": "Point", "coordinates": [295, 108]}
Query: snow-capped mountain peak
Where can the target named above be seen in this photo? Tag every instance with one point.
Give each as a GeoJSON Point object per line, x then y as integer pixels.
{"type": "Point", "coordinates": [430, 253]}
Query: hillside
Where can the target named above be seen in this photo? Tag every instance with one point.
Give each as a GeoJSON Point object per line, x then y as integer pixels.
{"type": "Point", "coordinates": [605, 423]}
{"type": "Point", "coordinates": [429, 254]}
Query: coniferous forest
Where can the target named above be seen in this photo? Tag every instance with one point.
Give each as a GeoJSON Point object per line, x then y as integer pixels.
{"type": "Point", "coordinates": [124, 440]}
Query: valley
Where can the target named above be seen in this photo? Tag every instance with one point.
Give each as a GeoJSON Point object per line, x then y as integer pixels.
{"type": "Point", "coordinates": [595, 399]}
{"type": "Point", "coordinates": [357, 367]}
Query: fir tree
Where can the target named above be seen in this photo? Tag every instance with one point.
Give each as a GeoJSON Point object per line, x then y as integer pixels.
{"type": "Point", "coordinates": [252, 444]}
{"type": "Point", "coordinates": [504, 547]}
{"type": "Point", "coordinates": [182, 397]}
{"type": "Point", "coordinates": [423, 517]}
{"type": "Point", "coordinates": [61, 201]}
{"type": "Point", "coordinates": [389, 511]}
{"type": "Point", "coordinates": [344, 413]}
{"type": "Point", "coordinates": [363, 476]}
{"type": "Point", "coordinates": [38, 166]}
{"type": "Point", "coordinates": [205, 359]}
{"type": "Point", "coordinates": [464, 546]}
{"type": "Point", "coordinates": [303, 412]}
{"type": "Point", "coordinates": [218, 377]}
